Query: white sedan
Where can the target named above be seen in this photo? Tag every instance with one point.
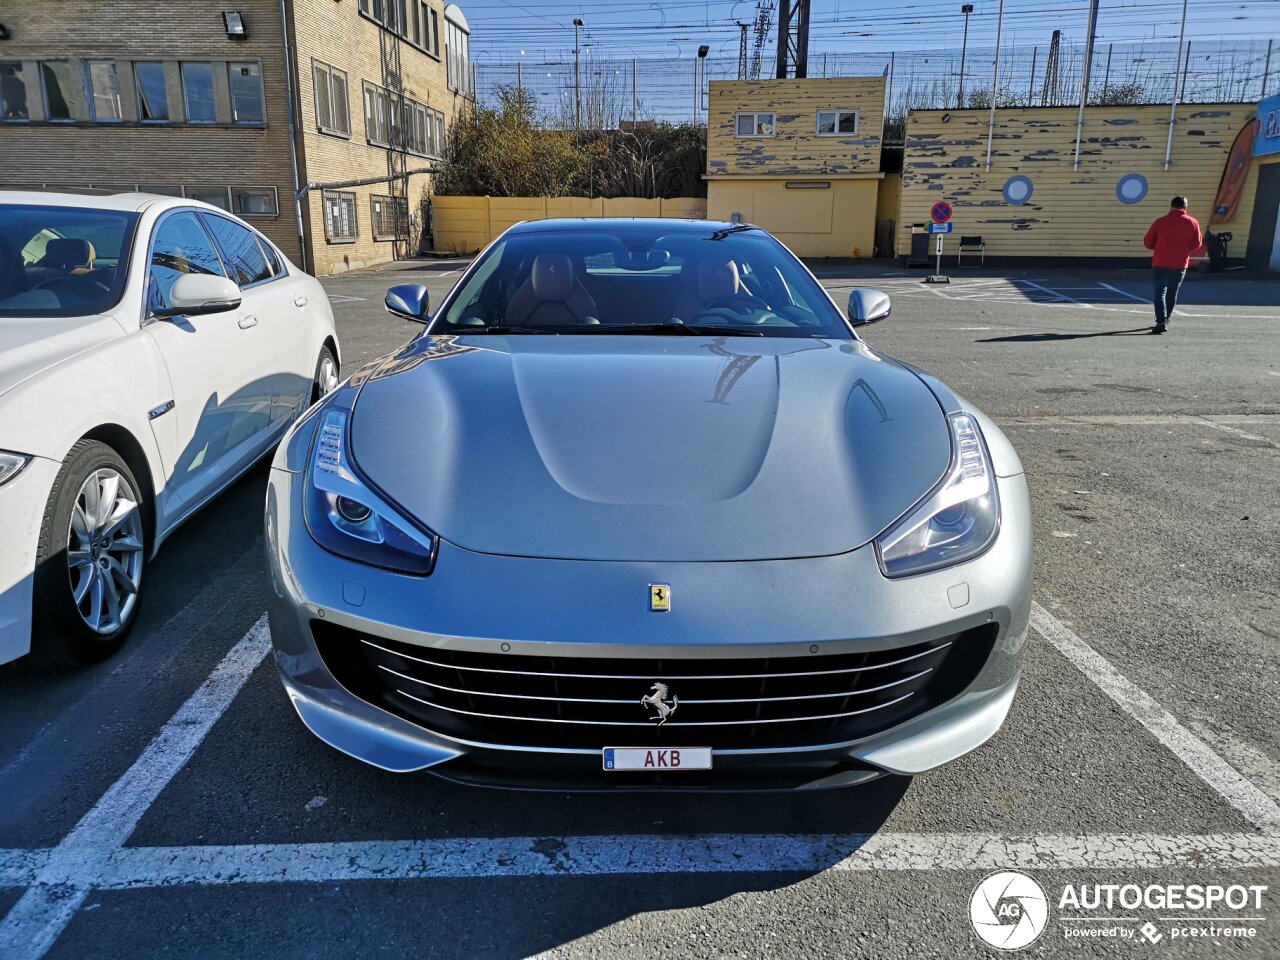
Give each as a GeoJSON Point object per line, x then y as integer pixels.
{"type": "Point", "coordinates": [151, 350]}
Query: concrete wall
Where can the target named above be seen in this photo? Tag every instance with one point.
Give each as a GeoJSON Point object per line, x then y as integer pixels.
{"type": "Point", "coordinates": [794, 148]}
{"type": "Point", "coordinates": [1070, 212]}
{"type": "Point", "coordinates": [830, 220]}
{"type": "Point", "coordinates": [465, 224]}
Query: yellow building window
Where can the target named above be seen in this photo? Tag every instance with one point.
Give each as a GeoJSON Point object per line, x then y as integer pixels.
{"type": "Point", "coordinates": [755, 124]}
{"type": "Point", "coordinates": [837, 123]}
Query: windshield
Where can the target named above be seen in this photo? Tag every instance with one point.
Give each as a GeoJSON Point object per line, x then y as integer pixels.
{"type": "Point", "coordinates": [645, 276]}
{"type": "Point", "coordinates": [62, 261]}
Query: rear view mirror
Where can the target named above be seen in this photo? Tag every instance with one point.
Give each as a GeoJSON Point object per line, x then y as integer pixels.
{"type": "Point", "coordinates": [409, 301]}
{"type": "Point", "coordinates": [198, 294]}
{"type": "Point", "coordinates": [867, 306]}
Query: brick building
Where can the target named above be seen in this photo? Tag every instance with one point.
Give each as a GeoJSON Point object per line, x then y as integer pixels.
{"type": "Point", "coordinates": [247, 106]}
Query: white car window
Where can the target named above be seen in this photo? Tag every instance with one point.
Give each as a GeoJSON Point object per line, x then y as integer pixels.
{"type": "Point", "coordinates": [181, 246]}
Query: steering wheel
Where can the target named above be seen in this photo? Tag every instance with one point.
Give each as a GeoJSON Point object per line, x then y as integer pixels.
{"type": "Point", "coordinates": [746, 303]}
{"type": "Point", "coordinates": [77, 285]}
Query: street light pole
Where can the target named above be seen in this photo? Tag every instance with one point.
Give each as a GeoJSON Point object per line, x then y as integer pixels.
{"type": "Point", "coordinates": [699, 75]}
{"type": "Point", "coordinates": [577, 77]}
{"type": "Point", "coordinates": [964, 49]}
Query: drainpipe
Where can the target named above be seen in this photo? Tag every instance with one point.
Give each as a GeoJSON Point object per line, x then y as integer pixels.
{"type": "Point", "coordinates": [293, 136]}
{"type": "Point", "coordinates": [362, 182]}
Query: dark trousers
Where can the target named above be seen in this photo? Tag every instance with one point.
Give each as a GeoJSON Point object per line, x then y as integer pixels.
{"type": "Point", "coordinates": [1165, 298]}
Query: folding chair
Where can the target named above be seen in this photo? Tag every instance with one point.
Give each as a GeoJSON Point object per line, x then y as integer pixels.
{"type": "Point", "coordinates": [972, 245]}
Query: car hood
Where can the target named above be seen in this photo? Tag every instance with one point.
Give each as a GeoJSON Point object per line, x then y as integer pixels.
{"type": "Point", "coordinates": [29, 345]}
{"type": "Point", "coordinates": [646, 448]}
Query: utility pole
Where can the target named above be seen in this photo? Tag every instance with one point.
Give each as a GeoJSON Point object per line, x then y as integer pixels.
{"type": "Point", "coordinates": [967, 9]}
{"type": "Point", "coordinates": [1265, 71]}
{"type": "Point", "coordinates": [995, 83]}
{"type": "Point", "coordinates": [1084, 77]}
{"type": "Point", "coordinates": [1173, 107]}
{"type": "Point", "coordinates": [793, 39]}
{"type": "Point", "coordinates": [699, 76]}
{"type": "Point", "coordinates": [577, 77]}
{"type": "Point", "coordinates": [742, 50]}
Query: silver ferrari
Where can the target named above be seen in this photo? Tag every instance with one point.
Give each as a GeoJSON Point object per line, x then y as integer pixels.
{"type": "Point", "coordinates": [639, 509]}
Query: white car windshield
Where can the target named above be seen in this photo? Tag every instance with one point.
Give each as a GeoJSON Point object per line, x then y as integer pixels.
{"type": "Point", "coordinates": [642, 277]}
{"type": "Point", "coordinates": [62, 261]}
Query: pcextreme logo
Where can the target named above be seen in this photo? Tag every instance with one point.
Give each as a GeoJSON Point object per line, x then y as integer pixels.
{"type": "Point", "coordinates": [1009, 910]}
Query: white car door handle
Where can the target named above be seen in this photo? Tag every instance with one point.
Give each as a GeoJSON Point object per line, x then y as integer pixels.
{"type": "Point", "coordinates": [247, 322]}
{"type": "Point", "coordinates": [300, 301]}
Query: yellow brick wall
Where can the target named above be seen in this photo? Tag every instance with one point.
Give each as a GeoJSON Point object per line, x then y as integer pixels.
{"type": "Point", "coordinates": [337, 34]}
{"type": "Point", "coordinates": [126, 155]}
{"type": "Point", "coordinates": [795, 148]}
{"type": "Point", "coordinates": [1071, 212]}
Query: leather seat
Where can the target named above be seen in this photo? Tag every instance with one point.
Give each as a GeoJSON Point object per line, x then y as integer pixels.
{"type": "Point", "coordinates": [67, 255]}
{"type": "Point", "coordinates": [552, 296]}
{"type": "Point", "coordinates": [703, 282]}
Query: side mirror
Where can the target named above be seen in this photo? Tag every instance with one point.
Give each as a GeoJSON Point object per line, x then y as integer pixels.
{"type": "Point", "coordinates": [867, 306]}
{"type": "Point", "coordinates": [197, 294]}
{"type": "Point", "coordinates": [409, 301]}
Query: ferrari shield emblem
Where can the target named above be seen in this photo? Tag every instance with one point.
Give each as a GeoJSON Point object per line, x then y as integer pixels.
{"type": "Point", "coordinates": [659, 597]}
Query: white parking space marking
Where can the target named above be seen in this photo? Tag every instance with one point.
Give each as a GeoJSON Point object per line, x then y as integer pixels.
{"type": "Point", "coordinates": [19, 868]}
{"type": "Point", "coordinates": [1125, 293]}
{"type": "Point", "coordinates": [74, 866]}
{"type": "Point", "coordinates": [134, 868]}
{"type": "Point", "coordinates": [1258, 808]}
{"type": "Point", "coordinates": [342, 298]}
{"type": "Point", "coordinates": [1248, 759]}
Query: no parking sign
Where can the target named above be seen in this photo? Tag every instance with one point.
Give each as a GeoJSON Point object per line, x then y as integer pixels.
{"type": "Point", "coordinates": [941, 212]}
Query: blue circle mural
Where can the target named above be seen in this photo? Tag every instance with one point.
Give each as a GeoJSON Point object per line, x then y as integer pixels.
{"type": "Point", "coordinates": [1018, 190]}
{"type": "Point", "coordinates": [1132, 188]}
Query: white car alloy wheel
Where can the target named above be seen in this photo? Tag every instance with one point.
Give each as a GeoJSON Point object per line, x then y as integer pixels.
{"type": "Point", "coordinates": [327, 375]}
{"type": "Point", "coordinates": [105, 551]}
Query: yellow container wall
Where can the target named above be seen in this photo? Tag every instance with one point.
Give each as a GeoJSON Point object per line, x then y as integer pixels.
{"type": "Point", "coordinates": [1072, 213]}
{"type": "Point", "coordinates": [838, 221]}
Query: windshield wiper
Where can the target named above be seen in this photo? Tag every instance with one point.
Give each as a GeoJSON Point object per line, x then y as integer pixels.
{"type": "Point", "coordinates": [673, 329]}
{"type": "Point", "coordinates": [501, 330]}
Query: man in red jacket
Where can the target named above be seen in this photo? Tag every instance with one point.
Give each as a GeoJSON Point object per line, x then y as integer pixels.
{"type": "Point", "coordinates": [1171, 239]}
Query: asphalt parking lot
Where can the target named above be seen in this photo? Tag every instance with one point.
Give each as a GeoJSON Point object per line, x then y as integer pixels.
{"type": "Point", "coordinates": [169, 802]}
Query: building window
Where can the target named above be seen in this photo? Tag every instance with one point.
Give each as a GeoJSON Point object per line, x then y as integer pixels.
{"type": "Point", "coordinates": [390, 217]}
{"type": "Point", "coordinates": [755, 125]}
{"type": "Point", "coordinates": [56, 76]}
{"type": "Point", "coordinates": [251, 202]}
{"type": "Point", "coordinates": [153, 95]}
{"type": "Point", "coordinates": [215, 196]}
{"type": "Point", "coordinates": [104, 90]}
{"type": "Point", "coordinates": [837, 123]}
{"type": "Point", "coordinates": [340, 224]}
{"type": "Point", "coordinates": [197, 92]}
{"type": "Point", "coordinates": [13, 92]}
{"type": "Point", "coordinates": [247, 102]}
{"type": "Point", "coordinates": [377, 107]}
{"type": "Point", "coordinates": [332, 114]}
{"type": "Point", "coordinates": [458, 56]}
{"type": "Point", "coordinates": [435, 133]}
{"type": "Point", "coordinates": [434, 42]}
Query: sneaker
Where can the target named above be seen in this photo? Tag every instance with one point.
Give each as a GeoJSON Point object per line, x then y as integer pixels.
{"type": "Point", "coordinates": [1160, 328]}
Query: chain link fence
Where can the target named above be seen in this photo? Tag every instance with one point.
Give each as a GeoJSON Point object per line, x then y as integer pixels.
{"type": "Point", "coordinates": [604, 93]}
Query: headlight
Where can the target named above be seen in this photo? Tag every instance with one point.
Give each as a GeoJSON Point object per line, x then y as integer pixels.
{"type": "Point", "coordinates": [11, 465]}
{"type": "Point", "coordinates": [346, 517]}
{"type": "Point", "coordinates": [957, 521]}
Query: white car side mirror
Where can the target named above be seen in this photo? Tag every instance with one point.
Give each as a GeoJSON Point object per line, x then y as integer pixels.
{"type": "Point", "coordinates": [197, 294]}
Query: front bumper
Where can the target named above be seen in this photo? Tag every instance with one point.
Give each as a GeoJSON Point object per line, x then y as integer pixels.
{"type": "Point", "coordinates": [486, 604]}
{"type": "Point", "coordinates": [22, 503]}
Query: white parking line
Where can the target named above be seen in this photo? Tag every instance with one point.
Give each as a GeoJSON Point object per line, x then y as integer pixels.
{"type": "Point", "coordinates": [136, 868]}
{"type": "Point", "coordinates": [1258, 808]}
{"type": "Point", "coordinates": [73, 867]}
{"type": "Point", "coordinates": [1125, 293]}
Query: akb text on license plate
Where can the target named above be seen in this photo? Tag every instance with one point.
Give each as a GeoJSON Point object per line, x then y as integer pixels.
{"type": "Point", "coordinates": [657, 758]}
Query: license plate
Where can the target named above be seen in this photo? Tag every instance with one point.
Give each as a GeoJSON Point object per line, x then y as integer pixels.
{"type": "Point", "coordinates": [657, 758]}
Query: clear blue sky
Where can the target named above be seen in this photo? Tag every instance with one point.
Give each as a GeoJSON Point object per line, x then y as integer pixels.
{"type": "Point", "coordinates": [502, 29]}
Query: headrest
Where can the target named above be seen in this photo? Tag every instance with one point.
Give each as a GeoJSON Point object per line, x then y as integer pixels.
{"type": "Point", "coordinates": [69, 252]}
{"type": "Point", "coordinates": [716, 280]}
{"type": "Point", "coordinates": [552, 277]}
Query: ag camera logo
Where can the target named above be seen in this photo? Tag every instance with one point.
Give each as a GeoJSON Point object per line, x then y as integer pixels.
{"type": "Point", "coordinates": [1009, 910]}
